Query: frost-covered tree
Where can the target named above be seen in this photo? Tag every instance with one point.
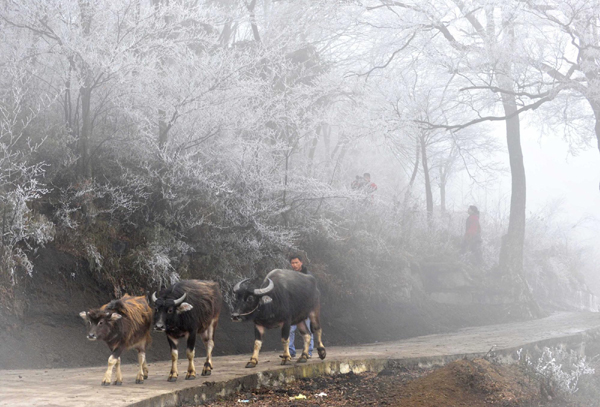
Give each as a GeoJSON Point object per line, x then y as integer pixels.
{"type": "Point", "coordinates": [21, 174]}
{"type": "Point", "coordinates": [478, 46]}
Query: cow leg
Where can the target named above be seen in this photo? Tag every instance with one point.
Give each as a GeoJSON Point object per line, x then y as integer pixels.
{"type": "Point", "coordinates": [285, 342]}
{"type": "Point", "coordinates": [315, 327]}
{"type": "Point", "coordinates": [191, 352]}
{"type": "Point", "coordinates": [303, 329]}
{"type": "Point", "coordinates": [258, 335]}
{"type": "Point", "coordinates": [119, 378]}
{"type": "Point", "coordinates": [142, 373]}
{"type": "Point", "coordinates": [174, 356]}
{"type": "Point", "coordinates": [208, 337]}
{"type": "Point", "coordinates": [145, 367]}
{"type": "Point", "coordinates": [113, 359]}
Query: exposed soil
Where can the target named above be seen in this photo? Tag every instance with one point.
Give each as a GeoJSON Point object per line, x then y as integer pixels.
{"type": "Point", "coordinates": [472, 383]}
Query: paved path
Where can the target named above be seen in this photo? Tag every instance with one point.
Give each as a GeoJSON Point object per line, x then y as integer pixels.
{"type": "Point", "coordinates": [81, 387]}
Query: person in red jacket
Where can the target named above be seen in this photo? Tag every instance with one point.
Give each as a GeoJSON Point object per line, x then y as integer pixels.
{"type": "Point", "coordinates": [472, 239]}
{"type": "Point", "coordinates": [369, 186]}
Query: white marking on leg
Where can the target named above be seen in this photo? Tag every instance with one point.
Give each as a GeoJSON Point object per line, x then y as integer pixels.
{"type": "Point", "coordinates": [191, 368]}
{"type": "Point", "coordinates": [112, 361]}
{"type": "Point", "coordinates": [257, 346]}
{"type": "Point", "coordinates": [142, 363]}
{"type": "Point", "coordinates": [286, 347]}
{"type": "Point", "coordinates": [174, 357]}
{"type": "Point", "coordinates": [306, 343]}
{"type": "Point", "coordinates": [119, 375]}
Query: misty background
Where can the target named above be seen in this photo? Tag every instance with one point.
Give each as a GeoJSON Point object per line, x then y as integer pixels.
{"type": "Point", "coordinates": [147, 141]}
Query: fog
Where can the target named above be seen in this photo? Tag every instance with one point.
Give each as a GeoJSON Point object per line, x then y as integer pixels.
{"type": "Point", "coordinates": [159, 141]}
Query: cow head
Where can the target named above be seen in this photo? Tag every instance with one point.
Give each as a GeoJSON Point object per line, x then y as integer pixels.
{"type": "Point", "coordinates": [167, 311]}
{"type": "Point", "coordinates": [247, 299]}
{"type": "Point", "coordinates": [101, 323]}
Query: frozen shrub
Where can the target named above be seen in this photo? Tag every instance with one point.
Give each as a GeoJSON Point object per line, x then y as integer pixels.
{"type": "Point", "coordinates": [559, 369]}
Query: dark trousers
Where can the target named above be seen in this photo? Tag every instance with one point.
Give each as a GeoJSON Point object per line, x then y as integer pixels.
{"type": "Point", "coordinates": [473, 245]}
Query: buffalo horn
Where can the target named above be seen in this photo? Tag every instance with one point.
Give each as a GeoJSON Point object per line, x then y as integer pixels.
{"type": "Point", "coordinates": [236, 288]}
{"type": "Point", "coordinates": [263, 291]}
{"type": "Point", "coordinates": [154, 296]}
{"type": "Point", "coordinates": [180, 299]}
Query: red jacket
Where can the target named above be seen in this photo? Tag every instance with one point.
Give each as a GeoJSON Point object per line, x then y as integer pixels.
{"type": "Point", "coordinates": [473, 227]}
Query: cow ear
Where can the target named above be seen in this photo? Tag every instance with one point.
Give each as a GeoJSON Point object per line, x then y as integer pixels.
{"type": "Point", "coordinates": [84, 315]}
{"type": "Point", "coordinates": [184, 307]}
{"type": "Point", "coordinates": [115, 316]}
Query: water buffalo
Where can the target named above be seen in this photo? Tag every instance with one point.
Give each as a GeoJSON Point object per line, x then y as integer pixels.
{"type": "Point", "coordinates": [123, 324]}
{"type": "Point", "coordinates": [185, 309]}
{"type": "Point", "coordinates": [288, 298]}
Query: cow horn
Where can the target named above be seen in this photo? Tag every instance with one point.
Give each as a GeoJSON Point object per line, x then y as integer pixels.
{"type": "Point", "coordinates": [236, 288]}
{"type": "Point", "coordinates": [154, 296]}
{"type": "Point", "coordinates": [180, 299]}
{"type": "Point", "coordinates": [263, 291]}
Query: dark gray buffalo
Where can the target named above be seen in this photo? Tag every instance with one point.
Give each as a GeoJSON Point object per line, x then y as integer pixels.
{"type": "Point", "coordinates": [185, 309]}
{"type": "Point", "coordinates": [123, 324]}
{"type": "Point", "coordinates": [286, 298]}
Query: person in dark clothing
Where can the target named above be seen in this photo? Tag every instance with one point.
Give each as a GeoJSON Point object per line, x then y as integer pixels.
{"type": "Point", "coordinates": [358, 183]}
{"type": "Point", "coordinates": [298, 265]}
{"type": "Point", "coordinates": [472, 239]}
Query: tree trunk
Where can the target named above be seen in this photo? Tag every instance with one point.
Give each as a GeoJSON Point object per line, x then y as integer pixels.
{"type": "Point", "coordinates": [413, 176]}
{"type": "Point", "coordinates": [85, 164]}
{"type": "Point", "coordinates": [428, 193]}
{"type": "Point", "coordinates": [596, 110]}
{"type": "Point", "coordinates": [253, 24]}
{"type": "Point", "coordinates": [442, 191]}
{"type": "Point", "coordinates": [415, 171]}
{"type": "Point", "coordinates": [511, 250]}
{"type": "Point", "coordinates": [163, 129]}
{"type": "Point", "coordinates": [511, 254]}
{"type": "Point", "coordinates": [311, 151]}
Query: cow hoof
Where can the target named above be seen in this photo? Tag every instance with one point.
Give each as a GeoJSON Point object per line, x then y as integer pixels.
{"type": "Point", "coordinates": [250, 364]}
{"type": "Point", "coordinates": [106, 383]}
{"type": "Point", "coordinates": [286, 361]}
{"type": "Point", "coordinates": [302, 359]}
{"type": "Point", "coordinates": [322, 353]}
{"type": "Point", "coordinates": [139, 381]}
{"type": "Point", "coordinates": [145, 376]}
{"type": "Point", "coordinates": [206, 372]}
{"type": "Point", "coordinates": [190, 376]}
{"type": "Point", "coordinates": [172, 379]}
{"type": "Point", "coordinates": [117, 383]}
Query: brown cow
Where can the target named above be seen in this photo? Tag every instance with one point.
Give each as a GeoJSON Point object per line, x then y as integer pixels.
{"type": "Point", "coordinates": [122, 324]}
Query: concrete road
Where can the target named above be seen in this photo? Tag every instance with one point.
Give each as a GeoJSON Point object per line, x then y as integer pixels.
{"type": "Point", "coordinates": [81, 387]}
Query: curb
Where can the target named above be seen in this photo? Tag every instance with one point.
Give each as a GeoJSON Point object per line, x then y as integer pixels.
{"type": "Point", "coordinates": [208, 391]}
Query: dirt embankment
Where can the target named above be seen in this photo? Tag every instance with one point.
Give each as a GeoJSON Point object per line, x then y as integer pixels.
{"type": "Point", "coordinates": [50, 333]}
{"type": "Point", "coordinates": [467, 383]}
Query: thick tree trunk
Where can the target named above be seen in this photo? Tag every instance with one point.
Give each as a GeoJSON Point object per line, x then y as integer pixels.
{"type": "Point", "coordinates": [511, 254]}
{"type": "Point", "coordinates": [511, 250]}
